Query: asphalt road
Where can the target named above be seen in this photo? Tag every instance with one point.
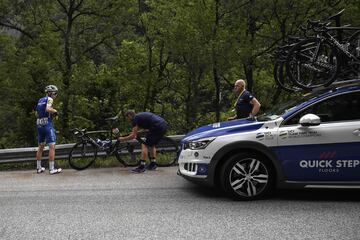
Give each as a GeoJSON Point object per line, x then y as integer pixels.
{"type": "Point", "coordinates": [112, 203]}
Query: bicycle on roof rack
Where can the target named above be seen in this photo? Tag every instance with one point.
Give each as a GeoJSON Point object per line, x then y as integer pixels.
{"type": "Point", "coordinates": [308, 62]}
{"type": "Point", "coordinates": [87, 148]}
{"type": "Point", "coordinates": [318, 61]}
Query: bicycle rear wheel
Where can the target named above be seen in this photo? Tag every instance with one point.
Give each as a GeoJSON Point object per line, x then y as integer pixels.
{"type": "Point", "coordinates": [354, 44]}
{"type": "Point", "coordinates": [82, 155]}
{"type": "Point", "coordinates": [282, 80]}
{"type": "Point", "coordinates": [167, 151]}
{"type": "Point", "coordinates": [127, 155]}
{"type": "Point", "coordinates": [312, 63]}
{"type": "Point", "coordinates": [354, 49]}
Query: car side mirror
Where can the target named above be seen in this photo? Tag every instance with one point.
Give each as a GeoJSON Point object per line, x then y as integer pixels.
{"type": "Point", "coordinates": [309, 120]}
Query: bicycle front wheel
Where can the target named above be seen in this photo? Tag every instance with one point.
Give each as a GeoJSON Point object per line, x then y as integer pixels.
{"type": "Point", "coordinates": [312, 63]}
{"type": "Point", "coordinates": [82, 155]}
{"type": "Point", "coordinates": [167, 150]}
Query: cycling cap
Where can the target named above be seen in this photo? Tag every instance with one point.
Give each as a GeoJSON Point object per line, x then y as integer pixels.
{"type": "Point", "coordinates": [51, 88]}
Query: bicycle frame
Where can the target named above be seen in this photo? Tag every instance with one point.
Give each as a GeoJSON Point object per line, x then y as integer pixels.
{"type": "Point", "coordinates": [84, 136]}
{"type": "Point", "coordinates": [340, 47]}
{"type": "Point", "coordinates": [326, 36]}
{"type": "Point", "coordinates": [323, 34]}
{"type": "Point", "coordinates": [315, 57]}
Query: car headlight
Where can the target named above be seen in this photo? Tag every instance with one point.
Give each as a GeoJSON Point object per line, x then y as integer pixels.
{"type": "Point", "coordinates": [198, 144]}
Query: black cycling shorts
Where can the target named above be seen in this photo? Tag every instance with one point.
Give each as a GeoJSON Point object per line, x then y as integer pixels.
{"type": "Point", "coordinates": [154, 137]}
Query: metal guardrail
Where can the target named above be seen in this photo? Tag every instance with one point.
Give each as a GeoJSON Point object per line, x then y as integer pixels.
{"type": "Point", "coordinates": [14, 155]}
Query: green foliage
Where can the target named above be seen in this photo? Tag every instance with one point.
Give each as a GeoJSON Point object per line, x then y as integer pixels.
{"type": "Point", "coordinates": [176, 58]}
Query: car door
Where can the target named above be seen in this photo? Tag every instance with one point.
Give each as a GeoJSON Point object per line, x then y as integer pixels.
{"type": "Point", "coordinates": [329, 151]}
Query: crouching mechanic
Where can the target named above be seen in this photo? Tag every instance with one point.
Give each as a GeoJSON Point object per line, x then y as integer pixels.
{"type": "Point", "coordinates": [155, 128]}
{"type": "Point", "coordinates": [46, 133]}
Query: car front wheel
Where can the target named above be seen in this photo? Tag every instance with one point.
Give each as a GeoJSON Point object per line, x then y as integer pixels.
{"type": "Point", "coordinates": [246, 176]}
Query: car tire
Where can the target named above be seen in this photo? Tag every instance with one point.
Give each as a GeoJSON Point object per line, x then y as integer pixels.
{"type": "Point", "coordinates": [246, 176]}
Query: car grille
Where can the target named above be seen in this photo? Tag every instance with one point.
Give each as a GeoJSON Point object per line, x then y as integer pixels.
{"type": "Point", "coordinates": [190, 167]}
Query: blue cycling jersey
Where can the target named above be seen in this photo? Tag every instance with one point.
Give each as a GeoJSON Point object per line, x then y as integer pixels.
{"type": "Point", "coordinates": [43, 117]}
{"type": "Point", "coordinates": [46, 132]}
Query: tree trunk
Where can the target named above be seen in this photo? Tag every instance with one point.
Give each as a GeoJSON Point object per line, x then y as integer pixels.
{"type": "Point", "coordinates": [249, 70]}
{"type": "Point", "coordinates": [217, 92]}
{"type": "Point", "coordinates": [215, 64]}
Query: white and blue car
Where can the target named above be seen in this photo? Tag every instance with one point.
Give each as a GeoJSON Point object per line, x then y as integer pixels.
{"type": "Point", "coordinates": [312, 142]}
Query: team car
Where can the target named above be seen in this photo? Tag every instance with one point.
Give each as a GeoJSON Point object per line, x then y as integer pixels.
{"type": "Point", "coordinates": [311, 142]}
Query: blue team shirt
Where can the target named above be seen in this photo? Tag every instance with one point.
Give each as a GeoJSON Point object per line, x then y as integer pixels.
{"type": "Point", "coordinates": [148, 120]}
{"type": "Point", "coordinates": [46, 132]}
{"type": "Point", "coordinates": [42, 115]}
{"type": "Point", "coordinates": [243, 105]}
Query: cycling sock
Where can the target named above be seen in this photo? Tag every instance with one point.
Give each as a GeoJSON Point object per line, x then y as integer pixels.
{"type": "Point", "coordinates": [51, 165]}
{"type": "Point", "coordinates": [152, 159]}
{"type": "Point", "coordinates": [38, 164]}
{"type": "Point", "coordinates": [142, 162]}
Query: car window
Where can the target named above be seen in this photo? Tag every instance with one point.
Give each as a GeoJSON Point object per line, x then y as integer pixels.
{"type": "Point", "coordinates": [280, 109]}
{"type": "Point", "coordinates": [338, 108]}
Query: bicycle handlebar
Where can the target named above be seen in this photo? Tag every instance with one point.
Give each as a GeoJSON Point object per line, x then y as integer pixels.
{"type": "Point", "coordinates": [78, 131]}
{"type": "Point", "coordinates": [317, 25]}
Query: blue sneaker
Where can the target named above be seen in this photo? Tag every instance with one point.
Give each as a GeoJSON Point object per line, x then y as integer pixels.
{"type": "Point", "coordinates": [152, 166]}
{"type": "Point", "coordinates": [139, 169]}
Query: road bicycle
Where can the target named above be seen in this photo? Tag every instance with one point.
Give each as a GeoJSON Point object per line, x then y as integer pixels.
{"type": "Point", "coordinates": [321, 55]}
{"type": "Point", "coordinates": [86, 150]}
{"type": "Point", "coordinates": [319, 61]}
{"type": "Point", "coordinates": [281, 52]}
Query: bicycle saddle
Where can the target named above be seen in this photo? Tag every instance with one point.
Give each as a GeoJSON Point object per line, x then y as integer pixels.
{"type": "Point", "coordinates": [112, 119]}
{"type": "Point", "coordinates": [293, 38]}
{"type": "Point", "coordinates": [317, 24]}
{"type": "Point", "coordinates": [336, 15]}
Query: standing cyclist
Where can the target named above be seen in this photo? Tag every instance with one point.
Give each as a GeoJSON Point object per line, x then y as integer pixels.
{"type": "Point", "coordinates": [46, 133]}
{"type": "Point", "coordinates": [155, 127]}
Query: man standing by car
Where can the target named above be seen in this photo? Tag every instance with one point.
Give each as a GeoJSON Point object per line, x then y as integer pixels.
{"type": "Point", "coordinates": [155, 126]}
{"type": "Point", "coordinates": [46, 133]}
{"type": "Point", "coordinates": [246, 105]}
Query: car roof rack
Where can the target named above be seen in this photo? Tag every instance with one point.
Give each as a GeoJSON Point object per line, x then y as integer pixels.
{"type": "Point", "coordinates": [338, 84]}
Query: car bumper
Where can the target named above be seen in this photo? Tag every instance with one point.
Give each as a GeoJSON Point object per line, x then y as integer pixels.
{"type": "Point", "coordinates": [199, 181]}
{"type": "Point", "coordinates": [193, 167]}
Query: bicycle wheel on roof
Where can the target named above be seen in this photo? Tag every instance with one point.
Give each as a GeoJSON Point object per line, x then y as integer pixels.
{"type": "Point", "coordinates": [354, 49]}
{"type": "Point", "coordinates": [312, 63]}
{"type": "Point", "coordinates": [281, 78]}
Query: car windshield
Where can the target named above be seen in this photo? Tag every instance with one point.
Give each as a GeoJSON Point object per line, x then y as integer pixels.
{"type": "Point", "coordinates": [279, 109]}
